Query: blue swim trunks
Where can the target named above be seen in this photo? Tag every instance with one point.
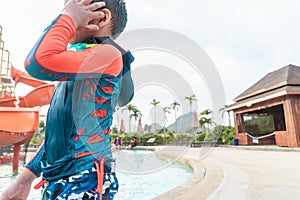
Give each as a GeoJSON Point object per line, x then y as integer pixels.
{"type": "Point", "coordinates": [82, 186]}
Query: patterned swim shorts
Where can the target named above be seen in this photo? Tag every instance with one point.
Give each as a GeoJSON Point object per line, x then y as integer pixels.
{"type": "Point", "coordinates": [82, 186]}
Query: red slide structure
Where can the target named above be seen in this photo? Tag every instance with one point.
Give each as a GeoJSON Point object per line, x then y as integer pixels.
{"type": "Point", "coordinates": [19, 116]}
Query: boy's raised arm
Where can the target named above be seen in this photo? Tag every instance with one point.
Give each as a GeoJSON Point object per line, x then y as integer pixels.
{"type": "Point", "coordinates": [50, 60]}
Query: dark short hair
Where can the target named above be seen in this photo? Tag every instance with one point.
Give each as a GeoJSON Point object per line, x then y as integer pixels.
{"type": "Point", "coordinates": [118, 15]}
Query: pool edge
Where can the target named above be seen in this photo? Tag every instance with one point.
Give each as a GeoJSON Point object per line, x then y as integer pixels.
{"type": "Point", "coordinates": [204, 181]}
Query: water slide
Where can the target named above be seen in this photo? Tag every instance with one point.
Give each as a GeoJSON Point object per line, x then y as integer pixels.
{"type": "Point", "coordinates": [40, 96]}
{"type": "Point", "coordinates": [18, 122]}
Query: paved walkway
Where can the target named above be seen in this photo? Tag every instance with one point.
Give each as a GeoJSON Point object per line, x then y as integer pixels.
{"type": "Point", "coordinates": [256, 172]}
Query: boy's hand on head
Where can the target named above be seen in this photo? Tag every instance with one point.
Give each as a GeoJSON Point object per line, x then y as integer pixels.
{"type": "Point", "coordinates": [83, 12]}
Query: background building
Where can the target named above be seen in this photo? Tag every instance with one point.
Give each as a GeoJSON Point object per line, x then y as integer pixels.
{"type": "Point", "coordinates": [269, 111]}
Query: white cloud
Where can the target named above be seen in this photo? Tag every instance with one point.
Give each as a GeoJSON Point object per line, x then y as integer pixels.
{"type": "Point", "coordinates": [245, 39]}
{"type": "Point", "coordinates": [23, 22]}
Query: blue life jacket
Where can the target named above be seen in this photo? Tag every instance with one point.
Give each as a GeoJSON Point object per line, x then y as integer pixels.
{"type": "Point", "coordinates": [79, 119]}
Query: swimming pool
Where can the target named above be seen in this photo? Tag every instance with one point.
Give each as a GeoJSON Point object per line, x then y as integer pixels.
{"type": "Point", "coordinates": [141, 175]}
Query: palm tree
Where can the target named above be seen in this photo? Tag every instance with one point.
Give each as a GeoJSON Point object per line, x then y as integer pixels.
{"type": "Point", "coordinates": [190, 99]}
{"type": "Point", "coordinates": [136, 115]}
{"type": "Point", "coordinates": [130, 109]}
{"type": "Point", "coordinates": [154, 103]}
{"type": "Point", "coordinates": [166, 110]}
{"type": "Point", "coordinates": [223, 110]}
{"type": "Point", "coordinates": [205, 120]}
{"type": "Point", "coordinates": [118, 116]}
{"type": "Point", "coordinates": [174, 106]}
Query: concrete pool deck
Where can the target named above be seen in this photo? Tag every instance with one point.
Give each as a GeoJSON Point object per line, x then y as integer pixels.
{"type": "Point", "coordinates": [236, 172]}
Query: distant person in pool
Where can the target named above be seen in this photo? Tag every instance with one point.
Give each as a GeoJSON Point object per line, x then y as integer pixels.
{"type": "Point", "coordinates": [132, 144]}
{"type": "Point", "coordinates": [94, 77]}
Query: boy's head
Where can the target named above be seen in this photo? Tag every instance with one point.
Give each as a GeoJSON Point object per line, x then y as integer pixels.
{"type": "Point", "coordinates": [118, 15]}
{"type": "Point", "coordinates": [111, 25]}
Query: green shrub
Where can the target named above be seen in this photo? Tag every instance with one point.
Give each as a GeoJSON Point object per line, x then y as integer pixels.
{"type": "Point", "coordinates": [184, 137]}
{"type": "Point", "coordinates": [169, 139]}
{"type": "Point", "coordinates": [221, 134]}
{"type": "Point", "coordinates": [170, 134]}
{"type": "Point", "coordinates": [228, 135]}
{"type": "Point", "coordinates": [42, 126]}
{"type": "Point", "coordinates": [201, 137]}
{"type": "Point", "coordinates": [126, 138]}
{"type": "Point", "coordinates": [148, 135]}
{"type": "Point", "coordinates": [159, 139]}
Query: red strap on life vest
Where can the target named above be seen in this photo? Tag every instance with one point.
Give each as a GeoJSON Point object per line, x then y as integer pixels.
{"type": "Point", "coordinates": [100, 176]}
{"type": "Point", "coordinates": [40, 184]}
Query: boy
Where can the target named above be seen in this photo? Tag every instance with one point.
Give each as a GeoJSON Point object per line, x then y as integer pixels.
{"type": "Point", "coordinates": [94, 76]}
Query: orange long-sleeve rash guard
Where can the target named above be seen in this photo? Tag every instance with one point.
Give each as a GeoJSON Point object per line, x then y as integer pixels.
{"type": "Point", "coordinates": [50, 60]}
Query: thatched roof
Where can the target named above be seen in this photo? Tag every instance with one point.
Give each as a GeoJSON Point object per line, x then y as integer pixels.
{"type": "Point", "coordinates": [278, 83]}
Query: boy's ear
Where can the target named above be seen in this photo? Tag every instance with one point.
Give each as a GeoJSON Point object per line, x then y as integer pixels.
{"type": "Point", "coordinates": [106, 19]}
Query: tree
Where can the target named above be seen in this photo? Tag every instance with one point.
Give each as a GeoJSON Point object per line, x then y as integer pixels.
{"type": "Point", "coordinates": [137, 114]}
{"type": "Point", "coordinates": [174, 106]}
{"type": "Point", "coordinates": [223, 110]}
{"type": "Point", "coordinates": [205, 119]}
{"type": "Point", "coordinates": [130, 109]}
{"type": "Point", "coordinates": [166, 111]}
{"type": "Point", "coordinates": [118, 116]}
{"type": "Point", "coordinates": [154, 103]}
{"type": "Point", "coordinates": [190, 99]}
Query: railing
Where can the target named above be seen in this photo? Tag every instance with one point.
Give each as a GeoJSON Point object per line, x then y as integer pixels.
{"type": "Point", "coordinates": [5, 57]}
{"type": "Point", "coordinates": [6, 84]}
{"type": "Point", "coordinates": [5, 62]}
{"type": "Point", "coordinates": [0, 33]}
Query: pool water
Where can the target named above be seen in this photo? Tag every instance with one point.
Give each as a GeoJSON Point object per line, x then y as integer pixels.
{"type": "Point", "coordinates": [141, 175]}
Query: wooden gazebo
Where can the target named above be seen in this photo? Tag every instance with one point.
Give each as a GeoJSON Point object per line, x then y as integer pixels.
{"type": "Point", "coordinates": [269, 111]}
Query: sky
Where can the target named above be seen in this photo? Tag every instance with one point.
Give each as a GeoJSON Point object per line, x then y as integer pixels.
{"type": "Point", "coordinates": [244, 39]}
